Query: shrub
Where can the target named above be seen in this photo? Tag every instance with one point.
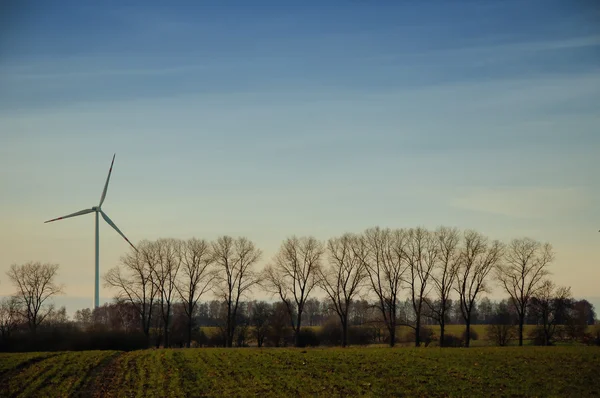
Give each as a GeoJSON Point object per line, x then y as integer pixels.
{"type": "Point", "coordinates": [451, 340]}
{"type": "Point", "coordinates": [538, 337]}
{"type": "Point", "coordinates": [593, 337]}
{"type": "Point", "coordinates": [241, 336]}
{"type": "Point", "coordinates": [278, 337]}
{"type": "Point", "coordinates": [358, 335]}
{"type": "Point", "coordinates": [426, 335]}
{"type": "Point", "coordinates": [199, 338]}
{"type": "Point", "coordinates": [331, 333]}
{"type": "Point", "coordinates": [216, 338]}
{"type": "Point", "coordinates": [307, 338]}
{"type": "Point", "coordinates": [76, 340]}
{"type": "Point", "coordinates": [474, 334]}
{"type": "Point", "coordinates": [501, 334]}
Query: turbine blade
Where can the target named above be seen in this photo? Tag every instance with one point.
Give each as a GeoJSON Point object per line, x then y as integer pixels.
{"type": "Point", "coordinates": [107, 179]}
{"type": "Point", "coordinates": [112, 224]}
{"type": "Point", "coordinates": [79, 213]}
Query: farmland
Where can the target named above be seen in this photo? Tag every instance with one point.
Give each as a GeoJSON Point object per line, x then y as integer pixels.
{"type": "Point", "coordinates": [486, 371]}
{"type": "Point", "coordinates": [405, 336]}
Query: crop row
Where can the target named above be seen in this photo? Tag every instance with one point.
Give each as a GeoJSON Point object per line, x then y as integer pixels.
{"type": "Point", "coordinates": [49, 374]}
{"type": "Point", "coordinates": [512, 371]}
{"type": "Point", "coordinates": [562, 371]}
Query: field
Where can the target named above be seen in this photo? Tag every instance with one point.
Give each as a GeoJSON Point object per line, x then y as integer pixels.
{"type": "Point", "coordinates": [405, 337]}
{"type": "Point", "coordinates": [510, 371]}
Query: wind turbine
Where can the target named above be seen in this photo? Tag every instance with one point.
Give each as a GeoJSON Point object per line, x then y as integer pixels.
{"type": "Point", "coordinates": [98, 210]}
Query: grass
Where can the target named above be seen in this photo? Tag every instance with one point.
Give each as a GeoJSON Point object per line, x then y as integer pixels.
{"type": "Point", "coordinates": [485, 371]}
{"type": "Point", "coordinates": [45, 374]}
{"type": "Point", "coordinates": [13, 361]}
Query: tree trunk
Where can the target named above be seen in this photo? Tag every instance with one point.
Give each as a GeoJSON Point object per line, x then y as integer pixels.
{"type": "Point", "coordinates": [392, 323]}
{"type": "Point", "coordinates": [546, 330]}
{"type": "Point", "coordinates": [418, 331]}
{"type": "Point", "coordinates": [392, 335]}
{"type": "Point", "coordinates": [33, 324]}
{"type": "Point", "coordinates": [468, 332]}
{"type": "Point", "coordinates": [442, 330]}
{"type": "Point", "coordinates": [189, 334]}
{"type": "Point", "coordinates": [297, 334]}
{"type": "Point", "coordinates": [521, 323]}
{"type": "Point", "coordinates": [229, 332]}
{"type": "Point", "coordinates": [146, 323]}
{"type": "Point", "coordinates": [166, 345]}
{"type": "Point", "coordinates": [229, 341]}
{"type": "Point", "coordinates": [345, 330]}
{"type": "Point", "coordinates": [167, 327]}
{"type": "Point", "coordinates": [144, 329]}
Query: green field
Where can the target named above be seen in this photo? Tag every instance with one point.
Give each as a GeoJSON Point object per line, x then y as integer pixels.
{"type": "Point", "coordinates": [510, 371]}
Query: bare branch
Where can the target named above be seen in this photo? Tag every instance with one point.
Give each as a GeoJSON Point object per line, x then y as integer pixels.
{"type": "Point", "coordinates": [344, 277]}
{"type": "Point", "coordinates": [523, 272]}
{"type": "Point", "coordinates": [196, 276]}
{"type": "Point", "coordinates": [478, 258]}
{"type": "Point", "coordinates": [35, 285]}
{"type": "Point", "coordinates": [165, 278]}
{"type": "Point", "coordinates": [444, 275]}
{"type": "Point", "coordinates": [294, 274]}
{"type": "Point", "coordinates": [234, 262]}
{"type": "Point", "coordinates": [135, 281]}
{"type": "Point", "coordinates": [421, 255]}
{"type": "Point", "coordinates": [382, 252]}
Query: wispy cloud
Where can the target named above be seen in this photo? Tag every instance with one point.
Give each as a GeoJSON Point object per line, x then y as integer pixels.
{"type": "Point", "coordinates": [524, 202]}
{"type": "Point", "coordinates": [519, 47]}
{"type": "Point", "coordinates": [87, 73]}
{"type": "Point", "coordinates": [472, 52]}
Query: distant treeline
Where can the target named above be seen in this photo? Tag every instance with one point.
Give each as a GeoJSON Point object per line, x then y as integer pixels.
{"type": "Point", "coordinates": [116, 326]}
{"type": "Point", "coordinates": [373, 283]}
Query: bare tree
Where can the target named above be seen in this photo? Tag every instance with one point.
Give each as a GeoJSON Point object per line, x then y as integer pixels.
{"type": "Point", "coordinates": [234, 260]}
{"type": "Point", "coordinates": [382, 253]}
{"type": "Point", "coordinates": [477, 259]}
{"type": "Point", "coordinates": [501, 329]}
{"type": "Point", "coordinates": [444, 276]}
{"type": "Point", "coordinates": [523, 272]}
{"type": "Point", "coordinates": [343, 278]}
{"type": "Point", "coordinates": [293, 275]}
{"type": "Point", "coordinates": [549, 304]}
{"type": "Point", "coordinates": [35, 283]}
{"type": "Point", "coordinates": [83, 318]}
{"type": "Point", "coordinates": [421, 252]}
{"type": "Point", "coordinates": [10, 316]}
{"type": "Point", "coordinates": [135, 282]}
{"type": "Point", "coordinates": [259, 319]}
{"type": "Point", "coordinates": [196, 277]}
{"type": "Point", "coordinates": [167, 267]}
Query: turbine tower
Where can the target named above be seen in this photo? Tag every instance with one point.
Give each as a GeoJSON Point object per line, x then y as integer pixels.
{"type": "Point", "coordinates": [98, 210]}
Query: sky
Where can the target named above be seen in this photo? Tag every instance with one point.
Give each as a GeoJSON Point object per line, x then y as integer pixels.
{"type": "Point", "coordinates": [271, 119]}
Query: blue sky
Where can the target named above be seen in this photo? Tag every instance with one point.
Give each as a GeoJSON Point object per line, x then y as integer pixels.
{"type": "Point", "coordinates": [268, 119]}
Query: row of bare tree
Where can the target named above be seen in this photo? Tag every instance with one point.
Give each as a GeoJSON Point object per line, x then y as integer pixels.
{"type": "Point", "coordinates": [380, 263]}
{"type": "Point", "coordinates": [116, 325]}
{"type": "Point", "coordinates": [170, 270]}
